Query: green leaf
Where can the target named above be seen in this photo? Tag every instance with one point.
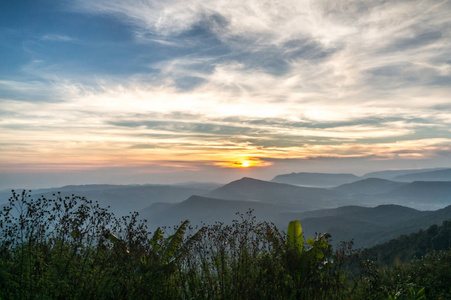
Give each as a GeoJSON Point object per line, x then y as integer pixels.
{"type": "Point", "coordinates": [174, 242]}
{"type": "Point", "coordinates": [185, 247]}
{"type": "Point", "coordinates": [294, 235]}
{"type": "Point", "coordinates": [157, 237]}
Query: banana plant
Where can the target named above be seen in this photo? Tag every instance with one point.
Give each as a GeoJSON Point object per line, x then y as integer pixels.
{"type": "Point", "coordinates": [165, 252]}
{"type": "Point", "coordinates": [295, 239]}
{"type": "Point", "coordinates": [174, 247]}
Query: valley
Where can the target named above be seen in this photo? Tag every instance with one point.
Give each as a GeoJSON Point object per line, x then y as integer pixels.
{"type": "Point", "coordinates": [369, 209]}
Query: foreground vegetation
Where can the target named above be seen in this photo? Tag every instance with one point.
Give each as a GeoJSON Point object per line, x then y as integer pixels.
{"type": "Point", "coordinates": [413, 246]}
{"type": "Point", "coordinates": [70, 248]}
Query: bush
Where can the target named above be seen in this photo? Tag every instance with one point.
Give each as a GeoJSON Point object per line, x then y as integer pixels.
{"type": "Point", "coordinates": [70, 247]}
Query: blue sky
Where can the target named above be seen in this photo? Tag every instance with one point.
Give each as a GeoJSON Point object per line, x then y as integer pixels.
{"type": "Point", "coordinates": [166, 91]}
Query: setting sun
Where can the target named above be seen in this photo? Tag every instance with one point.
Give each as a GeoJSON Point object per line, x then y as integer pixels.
{"type": "Point", "coordinates": [245, 164]}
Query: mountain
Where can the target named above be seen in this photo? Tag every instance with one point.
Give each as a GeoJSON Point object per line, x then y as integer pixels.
{"type": "Point", "coordinates": [85, 188]}
{"type": "Point", "coordinates": [299, 198]}
{"type": "Point", "coordinates": [155, 209]}
{"type": "Point", "coordinates": [415, 245]}
{"type": "Point", "coordinates": [319, 209]}
{"type": "Point", "coordinates": [315, 179]}
{"type": "Point", "coordinates": [208, 210]}
{"type": "Point", "coordinates": [330, 212]}
{"type": "Point", "coordinates": [369, 186]}
{"type": "Point", "coordinates": [391, 174]}
{"type": "Point", "coordinates": [366, 226]}
{"type": "Point", "coordinates": [124, 199]}
{"type": "Point", "coordinates": [207, 186]}
{"type": "Point", "coordinates": [428, 218]}
{"type": "Point", "coordinates": [439, 175]}
{"type": "Point", "coordinates": [421, 194]}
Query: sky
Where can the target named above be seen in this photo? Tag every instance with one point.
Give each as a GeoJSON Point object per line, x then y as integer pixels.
{"type": "Point", "coordinates": [144, 91]}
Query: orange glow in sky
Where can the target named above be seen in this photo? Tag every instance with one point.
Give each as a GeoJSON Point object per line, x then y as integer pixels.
{"type": "Point", "coordinates": [357, 90]}
{"type": "Point", "coordinates": [243, 163]}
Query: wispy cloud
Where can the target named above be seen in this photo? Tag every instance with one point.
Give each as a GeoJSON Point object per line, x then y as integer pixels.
{"type": "Point", "coordinates": [57, 38]}
{"type": "Point", "coordinates": [258, 79]}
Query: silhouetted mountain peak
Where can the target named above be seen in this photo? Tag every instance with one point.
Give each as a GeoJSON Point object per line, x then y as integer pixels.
{"type": "Point", "coordinates": [250, 179]}
{"type": "Point", "coordinates": [248, 182]}
{"type": "Point", "coordinates": [394, 208]}
{"type": "Point", "coordinates": [194, 199]}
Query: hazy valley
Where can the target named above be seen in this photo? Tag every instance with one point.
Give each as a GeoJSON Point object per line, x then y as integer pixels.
{"type": "Point", "coordinates": [370, 209]}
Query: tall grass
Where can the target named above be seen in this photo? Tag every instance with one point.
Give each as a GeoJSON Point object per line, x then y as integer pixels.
{"type": "Point", "coordinates": [70, 248]}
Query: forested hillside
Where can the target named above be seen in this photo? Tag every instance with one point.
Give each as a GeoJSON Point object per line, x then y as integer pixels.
{"type": "Point", "coordinates": [415, 245]}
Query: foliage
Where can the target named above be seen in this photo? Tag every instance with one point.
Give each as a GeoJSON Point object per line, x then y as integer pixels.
{"type": "Point", "coordinates": [407, 247]}
{"type": "Point", "coordinates": [70, 247]}
{"type": "Point", "coordinates": [425, 278]}
{"type": "Point", "coordinates": [295, 239]}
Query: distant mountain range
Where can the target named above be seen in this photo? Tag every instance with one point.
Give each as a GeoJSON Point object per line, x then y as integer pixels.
{"type": "Point", "coordinates": [437, 175]}
{"type": "Point", "coordinates": [422, 192]}
{"type": "Point", "coordinates": [209, 210]}
{"type": "Point", "coordinates": [122, 199]}
{"type": "Point", "coordinates": [391, 174]}
{"type": "Point", "coordinates": [332, 180]}
{"type": "Point", "coordinates": [315, 179]}
{"type": "Point", "coordinates": [371, 209]}
{"type": "Point", "coordinates": [368, 226]}
{"type": "Point", "coordinates": [369, 186]}
{"type": "Point", "coordinates": [300, 198]}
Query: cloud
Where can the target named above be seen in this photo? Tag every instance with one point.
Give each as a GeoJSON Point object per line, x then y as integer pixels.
{"type": "Point", "coordinates": [265, 21]}
{"type": "Point", "coordinates": [139, 125]}
{"type": "Point", "coordinates": [298, 52]}
{"type": "Point", "coordinates": [57, 38]}
{"type": "Point", "coordinates": [259, 79]}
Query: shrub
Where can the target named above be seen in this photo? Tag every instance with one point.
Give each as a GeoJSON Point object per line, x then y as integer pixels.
{"type": "Point", "coordinates": [70, 247]}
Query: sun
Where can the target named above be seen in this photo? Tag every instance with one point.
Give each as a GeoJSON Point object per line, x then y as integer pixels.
{"type": "Point", "coordinates": [242, 163]}
{"type": "Point", "coordinates": [245, 164]}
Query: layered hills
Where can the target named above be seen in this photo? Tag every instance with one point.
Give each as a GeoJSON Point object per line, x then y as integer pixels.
{"type": "Point", "coordinates": [123, 199]}
{"type": "Point", "coordinates": [202, 210]}
{"type": "Point", "coordinates": [436, 175]}
{"type": "Point", "coordinates": [369, 186]}
{"type": "Point", "coordinates": [315, 179]}
{"type": "Point", "coordinates": [370, 209]}
{"type": "Point", "coordinates": [300, 198]}
{"type": "Point", "coordinates": [369, 226]}
{"type": "Point", "coordinates": [392, 174]}
{"type": "Point", "coordinates": [336, 179]}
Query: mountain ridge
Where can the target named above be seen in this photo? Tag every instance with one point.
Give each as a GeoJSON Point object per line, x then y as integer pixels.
{"type": "Point", "coordinates": [369, 186]}
{"type": "Point", "coordinates": [315, 179]}
{"type": "Point", "coordinates": [301, 198]}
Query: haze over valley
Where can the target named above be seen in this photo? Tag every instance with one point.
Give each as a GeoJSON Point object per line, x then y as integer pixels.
{"type": "Point", "coordinates": [368, 209]}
